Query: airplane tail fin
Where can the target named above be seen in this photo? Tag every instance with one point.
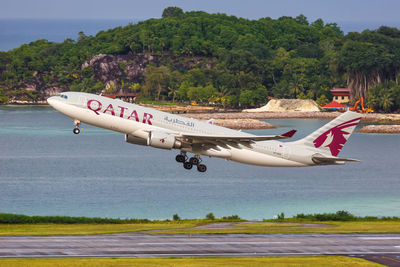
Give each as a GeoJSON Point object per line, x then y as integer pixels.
{"type": "Point", "coordinates": [331, 137]}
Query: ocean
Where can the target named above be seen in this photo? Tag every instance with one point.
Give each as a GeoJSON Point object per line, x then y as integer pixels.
{"type": "Point", "coordinates": [47, 170]}
{"type": "Point", "coordinates": [15, 32]}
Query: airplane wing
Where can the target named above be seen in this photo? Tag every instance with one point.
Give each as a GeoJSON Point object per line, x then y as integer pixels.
{"type": "Point", "coordinates": [205, 138]}
{"type": "Point", "coordinates": [322, 160]}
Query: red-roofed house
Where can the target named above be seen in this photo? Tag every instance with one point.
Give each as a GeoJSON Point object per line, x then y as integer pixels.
{"type": "Point", "coordinates": [341, 95]}
{"type": "Point", "coordinates": [131, 98]}
{"type": "Point", "coordinates": [334, 106]}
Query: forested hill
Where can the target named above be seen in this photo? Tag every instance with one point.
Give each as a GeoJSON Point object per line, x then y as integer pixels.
{"type": "Point", "coordinates": [212, 57]}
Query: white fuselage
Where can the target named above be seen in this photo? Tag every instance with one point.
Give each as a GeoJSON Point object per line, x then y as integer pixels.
{"type": "Point", "coordinates": [138, 121]}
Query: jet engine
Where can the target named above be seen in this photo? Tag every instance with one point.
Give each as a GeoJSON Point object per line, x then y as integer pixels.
{"type": "Point", "coordinates": [135, 140]}
{"type": "Point", "coordinates": [162, 140]}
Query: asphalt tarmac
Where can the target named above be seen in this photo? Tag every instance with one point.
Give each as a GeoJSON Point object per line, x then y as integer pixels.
{"type": "Point", "coordinates": [376, 247]}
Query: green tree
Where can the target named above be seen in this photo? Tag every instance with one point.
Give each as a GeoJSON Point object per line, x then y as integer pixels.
{"type": "Point", "coordinates": [183, 90]}
{"type": "Point", "coordinates": [210, 216]}
{"type": "Point", "coordinates": [386, 101]}
{"type": "Point", "coordinates": [322, 100]}
{"type": "Point", "coordinates": [135, 87]}
{"type": "Point", "coordinates": [3, 98]}
{"type": "Point", "coordinates": [302, 19]}
{"type": "Point", "coordinates": [98, 87]}
{"type": "Point", "coordinates": [157, 80]}
{"type": "Point", "coordinates": [201, 94]}
{"type": "Point", "coordinates": [247, 98]}
{"type": "Point", "coordinates": [172, 11]}
{"type": "Point", "coordinates": [176, 217]}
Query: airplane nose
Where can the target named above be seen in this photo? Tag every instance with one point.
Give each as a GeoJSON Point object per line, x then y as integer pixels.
{"type": "Point", "coordinates": [51, 100]}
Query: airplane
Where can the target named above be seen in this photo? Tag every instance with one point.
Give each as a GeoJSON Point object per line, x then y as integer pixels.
{"type": "Point", "coordinates": [150, 127]}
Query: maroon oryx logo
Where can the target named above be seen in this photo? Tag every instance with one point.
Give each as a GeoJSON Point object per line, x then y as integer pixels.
{"type": "Point", "coordinates": [336, 137]}
{"type": "Point", "coordinates": [162, 140]}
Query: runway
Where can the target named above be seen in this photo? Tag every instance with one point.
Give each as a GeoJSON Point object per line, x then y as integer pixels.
{"type": "Point", "coordinates": [142, 245]}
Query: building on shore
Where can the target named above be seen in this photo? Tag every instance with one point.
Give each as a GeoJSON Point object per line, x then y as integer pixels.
{"type": "Point", "coordinates": [334, 106]}
{"type": "Point", "coordinates": [341, 95]}
{"type": "Point", "coordinates": [131, 98]}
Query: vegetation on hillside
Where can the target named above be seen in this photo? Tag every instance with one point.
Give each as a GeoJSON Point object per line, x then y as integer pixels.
{"type": "Point", "coordinates": [216, 58]}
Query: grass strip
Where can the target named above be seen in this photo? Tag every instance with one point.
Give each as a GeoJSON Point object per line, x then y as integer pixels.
{"type": "Point", "coordinates": [331, 227]}
{"type": "Point", "coordinates": [192, 262]}
{"type": "Point", "coordinates": [182, 228]}
{"type": "Point", "coordinates": [87, 229]}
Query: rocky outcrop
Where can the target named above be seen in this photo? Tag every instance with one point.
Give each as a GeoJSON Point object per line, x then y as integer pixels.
{"type": "Point", "coordinates": [112, 69]}
{"type": "Point", "coordinates": [288, 105]}
{"type": "Point", "coordinates": [380, 129]}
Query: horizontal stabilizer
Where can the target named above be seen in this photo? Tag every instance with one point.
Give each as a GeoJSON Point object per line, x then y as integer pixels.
{"type": "Point", "coordinates": [238, 138]}
{"type": "Point", "coordinates": [289, 134]}
{"type": "Point", "coordinates": [321, 160]}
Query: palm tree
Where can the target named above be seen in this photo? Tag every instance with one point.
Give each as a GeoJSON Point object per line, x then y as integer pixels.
{"type": "Point", "coordinates": [172, 92]}
{"type": "Point", "coordinates": [387, 102]}
{"type": "Point", "coordinates": [296, 90]}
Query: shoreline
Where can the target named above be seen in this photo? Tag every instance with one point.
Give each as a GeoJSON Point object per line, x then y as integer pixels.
{"type": "Point", "coordinates": [383, 129]}
{"type": "Point", "coordinates": [247, 124]}
{"type": "Point", "coordinates": [388, 123]}
{"type": "Point", "coordinates": [370, 117]}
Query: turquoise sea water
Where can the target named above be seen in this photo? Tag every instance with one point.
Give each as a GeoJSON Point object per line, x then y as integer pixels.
{"type": "Point", "coordinates": [47, 170]}
{"type": "Point", "coordinates": [15, 32]}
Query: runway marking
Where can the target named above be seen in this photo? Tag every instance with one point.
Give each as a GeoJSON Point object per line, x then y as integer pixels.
{"type": "Point", "coordinates": [216, 243]}
{"type": "Point", "coordinates": [380, 238]}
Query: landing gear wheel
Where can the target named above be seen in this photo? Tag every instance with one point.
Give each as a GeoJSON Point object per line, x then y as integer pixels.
{"type": "Point", "coordinates": [194, 161]}
{"type": "Point", "coordinates": [187, 165]}
{"type": "Point", "coordinates": [180, 158]}
{"type": "Point", "coordinates": [201, 168]}
{"type": "Point", "coordinates": [76, 130]}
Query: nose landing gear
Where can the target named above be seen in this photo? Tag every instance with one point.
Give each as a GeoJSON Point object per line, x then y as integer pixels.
{"type": "Point", "coordinates": [76, 130]}
{"type": "Point", "coordinates": [196, 160]}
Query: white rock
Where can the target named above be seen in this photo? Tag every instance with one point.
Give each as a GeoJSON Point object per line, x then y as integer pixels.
{"type": "Point", "coordinates": [288, 105]}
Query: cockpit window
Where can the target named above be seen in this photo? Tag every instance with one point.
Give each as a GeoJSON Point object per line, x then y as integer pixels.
{"type": "Point", "coordinates": [62, 95]}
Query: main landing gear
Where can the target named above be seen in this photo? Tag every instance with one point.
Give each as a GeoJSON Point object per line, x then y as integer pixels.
{"type": "Point", "coordinates": [76, 130]}
{"type": "Point", "coordinates": [188, 164]}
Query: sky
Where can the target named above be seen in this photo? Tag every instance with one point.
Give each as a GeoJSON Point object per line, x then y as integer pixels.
{"type": "Point", "coordinates": [355, 11]}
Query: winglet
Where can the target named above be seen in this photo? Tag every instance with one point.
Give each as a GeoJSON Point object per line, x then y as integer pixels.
{"type": "Point", "coordinates": [289, 134]}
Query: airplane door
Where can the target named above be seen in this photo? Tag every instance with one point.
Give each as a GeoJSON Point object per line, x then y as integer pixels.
{"type": "Point", "coordinates": [285, 152]}
{"type": "Point", "coordinates": [82, 100]}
